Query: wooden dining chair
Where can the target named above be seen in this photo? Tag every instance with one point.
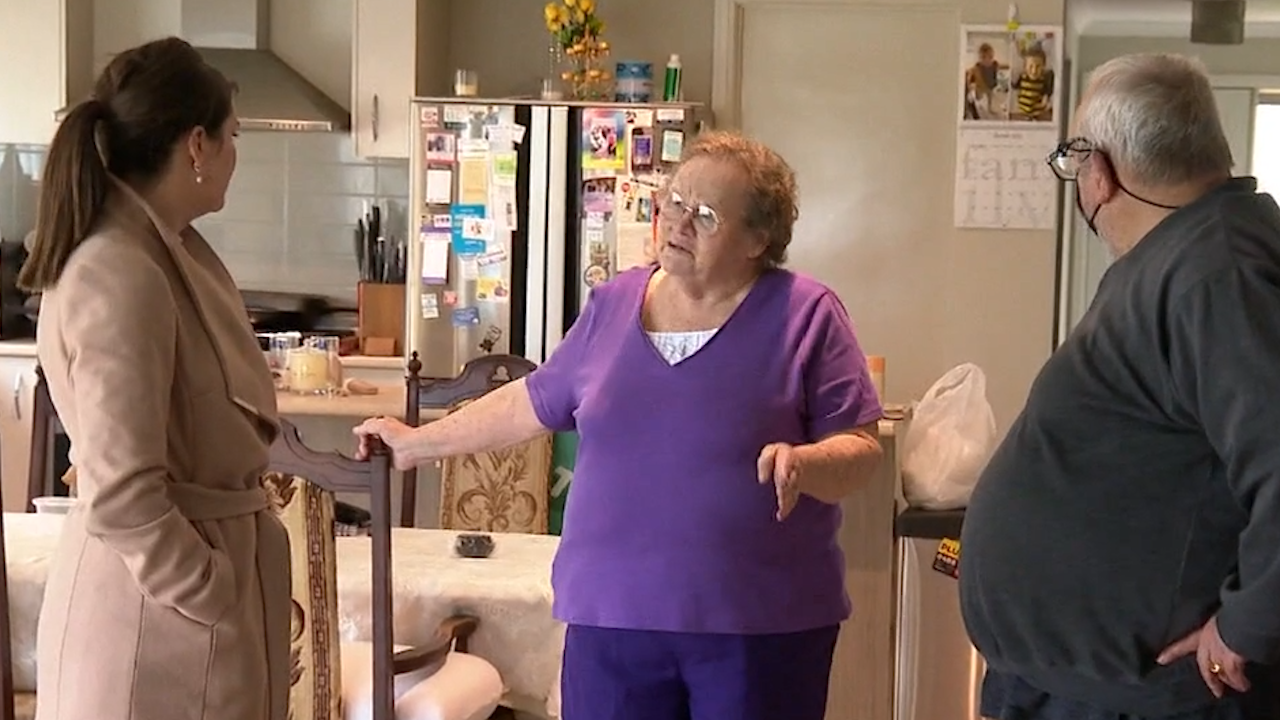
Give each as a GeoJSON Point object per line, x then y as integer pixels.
{"type": "Point", "coordinates": [510, 485]}
{"type": "Point", "coordinates": [331, 680]}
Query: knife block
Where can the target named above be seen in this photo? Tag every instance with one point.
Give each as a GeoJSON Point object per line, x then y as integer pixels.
{"type": "Point", "coordinates": [380, 318]}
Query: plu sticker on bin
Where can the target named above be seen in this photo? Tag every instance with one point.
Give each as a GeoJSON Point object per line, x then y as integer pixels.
{"type": "Point", "coordinates": [947, 559]}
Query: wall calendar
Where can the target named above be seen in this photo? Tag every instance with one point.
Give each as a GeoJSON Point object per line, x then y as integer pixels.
{"type": "Point", "coordinates": [1003, 180]}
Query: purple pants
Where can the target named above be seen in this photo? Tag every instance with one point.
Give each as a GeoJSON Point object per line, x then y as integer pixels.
{"type": "Point", "coordinates": [643, 675]}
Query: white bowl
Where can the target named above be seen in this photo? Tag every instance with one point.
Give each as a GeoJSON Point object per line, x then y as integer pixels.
{"type": "Point", "coordinates": [53, 505]}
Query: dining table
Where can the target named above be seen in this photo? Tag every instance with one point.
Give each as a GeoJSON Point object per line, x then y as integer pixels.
{"type": "Point", "coordinates": [509, 592]}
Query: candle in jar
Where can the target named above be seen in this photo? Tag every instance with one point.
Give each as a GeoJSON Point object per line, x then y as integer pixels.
{"type": "Point", "coordinates": [308, 370]}
{"type": "Point", "coordinates": [875, 365]}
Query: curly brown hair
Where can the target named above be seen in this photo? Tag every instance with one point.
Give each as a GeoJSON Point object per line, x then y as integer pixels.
{"type": "Point", "coordinates": [772, 195]}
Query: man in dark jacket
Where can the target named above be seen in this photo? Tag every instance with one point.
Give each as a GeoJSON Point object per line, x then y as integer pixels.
{"type": "Point", "coordinates": [1121, 555]}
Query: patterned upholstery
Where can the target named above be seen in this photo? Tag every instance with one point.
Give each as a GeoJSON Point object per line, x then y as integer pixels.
{"type": "Point", "coordinates": [307, 513]}
{"type": "Point", "coordinates": [460, 687]}
{"type": "Point", "coordinates": [502, 491]}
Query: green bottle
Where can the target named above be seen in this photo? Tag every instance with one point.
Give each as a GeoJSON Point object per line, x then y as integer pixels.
{"type": "Point", "coordinates": [671, 83]}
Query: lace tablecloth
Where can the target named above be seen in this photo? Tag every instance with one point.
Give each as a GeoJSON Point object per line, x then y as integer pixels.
{"type": "Point", "coordinates": [29, 543]}
{"type": "Point", "coordinates": [510, 592]}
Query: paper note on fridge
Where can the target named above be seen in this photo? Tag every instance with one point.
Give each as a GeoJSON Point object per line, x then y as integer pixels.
{"type": "Point", "coordinates": [439, 187]}
{"type": "Point", "coordinates": [435, 257]}
{"type": "Point", "coordinates": [504, 168]}
{"type": "Point", "coordinates": [473, 179]}
{"type": "Point", "coordinates": [634, 247]}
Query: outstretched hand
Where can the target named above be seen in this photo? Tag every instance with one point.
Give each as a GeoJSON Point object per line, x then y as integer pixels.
{"type": "Point", "coordinates": [1220, 666]}
{"type": "Point", "coordinates": [394, 434]}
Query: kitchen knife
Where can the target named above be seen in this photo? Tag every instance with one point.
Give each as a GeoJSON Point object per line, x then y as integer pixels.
{"type": "Point", "coordinates": [388, 260]}
{"type": "Point", "coordinates": [362, 263]}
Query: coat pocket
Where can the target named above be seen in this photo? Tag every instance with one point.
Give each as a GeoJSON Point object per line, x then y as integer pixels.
{"type": "Point", "coordinates": [175, 655]}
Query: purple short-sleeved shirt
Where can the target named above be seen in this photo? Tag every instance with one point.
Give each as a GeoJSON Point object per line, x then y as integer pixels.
{"type": "Point", "coordinates": [666, 526]}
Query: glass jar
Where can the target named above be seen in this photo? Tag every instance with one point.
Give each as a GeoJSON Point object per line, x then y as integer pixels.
{"type": "Point", "coordinates": [315, 368]}
{"type": "Point", "coordinates": [278, 349]}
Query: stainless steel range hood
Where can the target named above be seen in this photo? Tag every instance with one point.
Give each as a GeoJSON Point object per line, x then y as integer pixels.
{"type": "Point", "coordinates": [234, 37]}
{"type": "Point", "coordinates": [273, 96]}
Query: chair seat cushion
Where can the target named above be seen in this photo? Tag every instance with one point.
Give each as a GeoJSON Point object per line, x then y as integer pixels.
{"type": "Point", "coordinates": [464, 687]}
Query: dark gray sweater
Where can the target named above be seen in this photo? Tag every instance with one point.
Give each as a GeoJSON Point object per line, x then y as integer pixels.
{"type": "Point", "coordinates": [1139, 491]}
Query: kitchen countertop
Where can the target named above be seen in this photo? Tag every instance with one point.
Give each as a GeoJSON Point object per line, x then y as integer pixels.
{"type": "Point", "coordinates": [25, 348]}
{"type": "Point", "coordinates": [389, 401]}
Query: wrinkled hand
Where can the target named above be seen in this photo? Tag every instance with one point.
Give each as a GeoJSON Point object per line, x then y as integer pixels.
{"type": "Point", "coordinates": [779, 463]}
{"type": "Point", "coordinates": [393, 433]}
{"type": "Point", "coordinates": [1219, 665]}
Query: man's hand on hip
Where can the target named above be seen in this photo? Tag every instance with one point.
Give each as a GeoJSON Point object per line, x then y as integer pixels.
{"type": "Point", "coordinates": [1219, 665]}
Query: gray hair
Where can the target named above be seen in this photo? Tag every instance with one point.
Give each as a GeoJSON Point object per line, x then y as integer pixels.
{"type": "Point", "coordinates": [1155, 116]}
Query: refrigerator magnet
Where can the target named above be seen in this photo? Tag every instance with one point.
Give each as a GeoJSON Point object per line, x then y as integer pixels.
{"type": "Point", "coordinates": [429, 117]}
{"type": "Point", "coordinates": [641, 150]}
{"type": "Point", "coordinates": [492, 289]}
{"type": "Point", "coordinates": [440, 147]}
{"type": "Point", "coordinates": [604, 138]}
{"type": "Point", "coordinates": [496, 255]}
{"type": "Point", "coordinates": [595, 275]}
{"type": "Point", "coordinates": [672, 145]}
{"type": "Point", "coordinates": [430, 306]}
{"type": "Point", "coordinates": [450, 297]}
{"type": "Point", "coordinates": [492, 335]}
{"type": "Point", "coordinates": [465, 317]}
{"type": "Point", "coordinates": [640, 118]}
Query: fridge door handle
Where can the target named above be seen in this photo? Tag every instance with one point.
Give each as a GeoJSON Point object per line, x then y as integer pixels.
{"type": "Point", "coordinates": [374, 118]}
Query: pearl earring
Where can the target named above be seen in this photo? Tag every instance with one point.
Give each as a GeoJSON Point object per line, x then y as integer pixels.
{"type": "Point", "coordinates": [199, 177]}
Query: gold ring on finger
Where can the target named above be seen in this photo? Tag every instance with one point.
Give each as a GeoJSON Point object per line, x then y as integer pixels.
{"type": "Point", "coordinates": [1215, 668]}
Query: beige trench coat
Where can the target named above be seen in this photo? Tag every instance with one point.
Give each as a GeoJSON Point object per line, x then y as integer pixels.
{"type": "Point", "coordinates": [169, 596]}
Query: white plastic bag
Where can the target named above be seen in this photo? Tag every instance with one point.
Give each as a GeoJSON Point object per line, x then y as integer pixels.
{"type": "Point", "coordinates": [950, 439]}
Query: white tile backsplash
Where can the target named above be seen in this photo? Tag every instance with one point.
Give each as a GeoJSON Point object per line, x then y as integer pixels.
{"type": "Point", "coordinates": [290, 214]}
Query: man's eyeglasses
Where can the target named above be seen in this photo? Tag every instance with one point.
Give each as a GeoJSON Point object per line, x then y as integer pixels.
{"type": "Point", "coordinates": [1067, 159]}
{"type": "Point", "coordinates": [705, 219]}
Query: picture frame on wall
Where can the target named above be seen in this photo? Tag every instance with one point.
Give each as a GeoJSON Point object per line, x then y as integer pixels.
{"type": "Point", "coordinates": [1011, 77]}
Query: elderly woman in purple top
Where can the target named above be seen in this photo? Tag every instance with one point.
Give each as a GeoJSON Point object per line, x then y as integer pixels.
{"type": "Point", "coordinates": [724, 408]}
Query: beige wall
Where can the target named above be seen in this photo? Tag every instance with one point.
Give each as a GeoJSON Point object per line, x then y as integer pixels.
{"type": "Point", "coordinates": [861, 97]}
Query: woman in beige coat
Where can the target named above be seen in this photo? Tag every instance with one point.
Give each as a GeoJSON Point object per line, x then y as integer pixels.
{"type": "Point", "coordinates": [169, 596]}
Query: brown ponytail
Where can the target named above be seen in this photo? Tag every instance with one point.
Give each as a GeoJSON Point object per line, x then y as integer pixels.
{"type": "Point", "coordinates": [144, 103]}
{"type": "Point", "coordinates": [72, 192]}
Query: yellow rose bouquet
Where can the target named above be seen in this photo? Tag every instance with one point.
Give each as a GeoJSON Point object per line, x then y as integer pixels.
{"type": "Point", "coordinates": [576, 30]}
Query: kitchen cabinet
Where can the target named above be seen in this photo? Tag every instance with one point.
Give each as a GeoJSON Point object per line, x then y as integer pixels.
{"type": "Point", "coordinates": [399, 49]}
{"type": "Point", "coordinates": [46, 62]}
{"type": "Point", "coordinates": [17, 390]}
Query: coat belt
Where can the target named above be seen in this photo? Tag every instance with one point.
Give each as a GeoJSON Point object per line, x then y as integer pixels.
{"type": "Point", "coordinates": [200, 504]}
